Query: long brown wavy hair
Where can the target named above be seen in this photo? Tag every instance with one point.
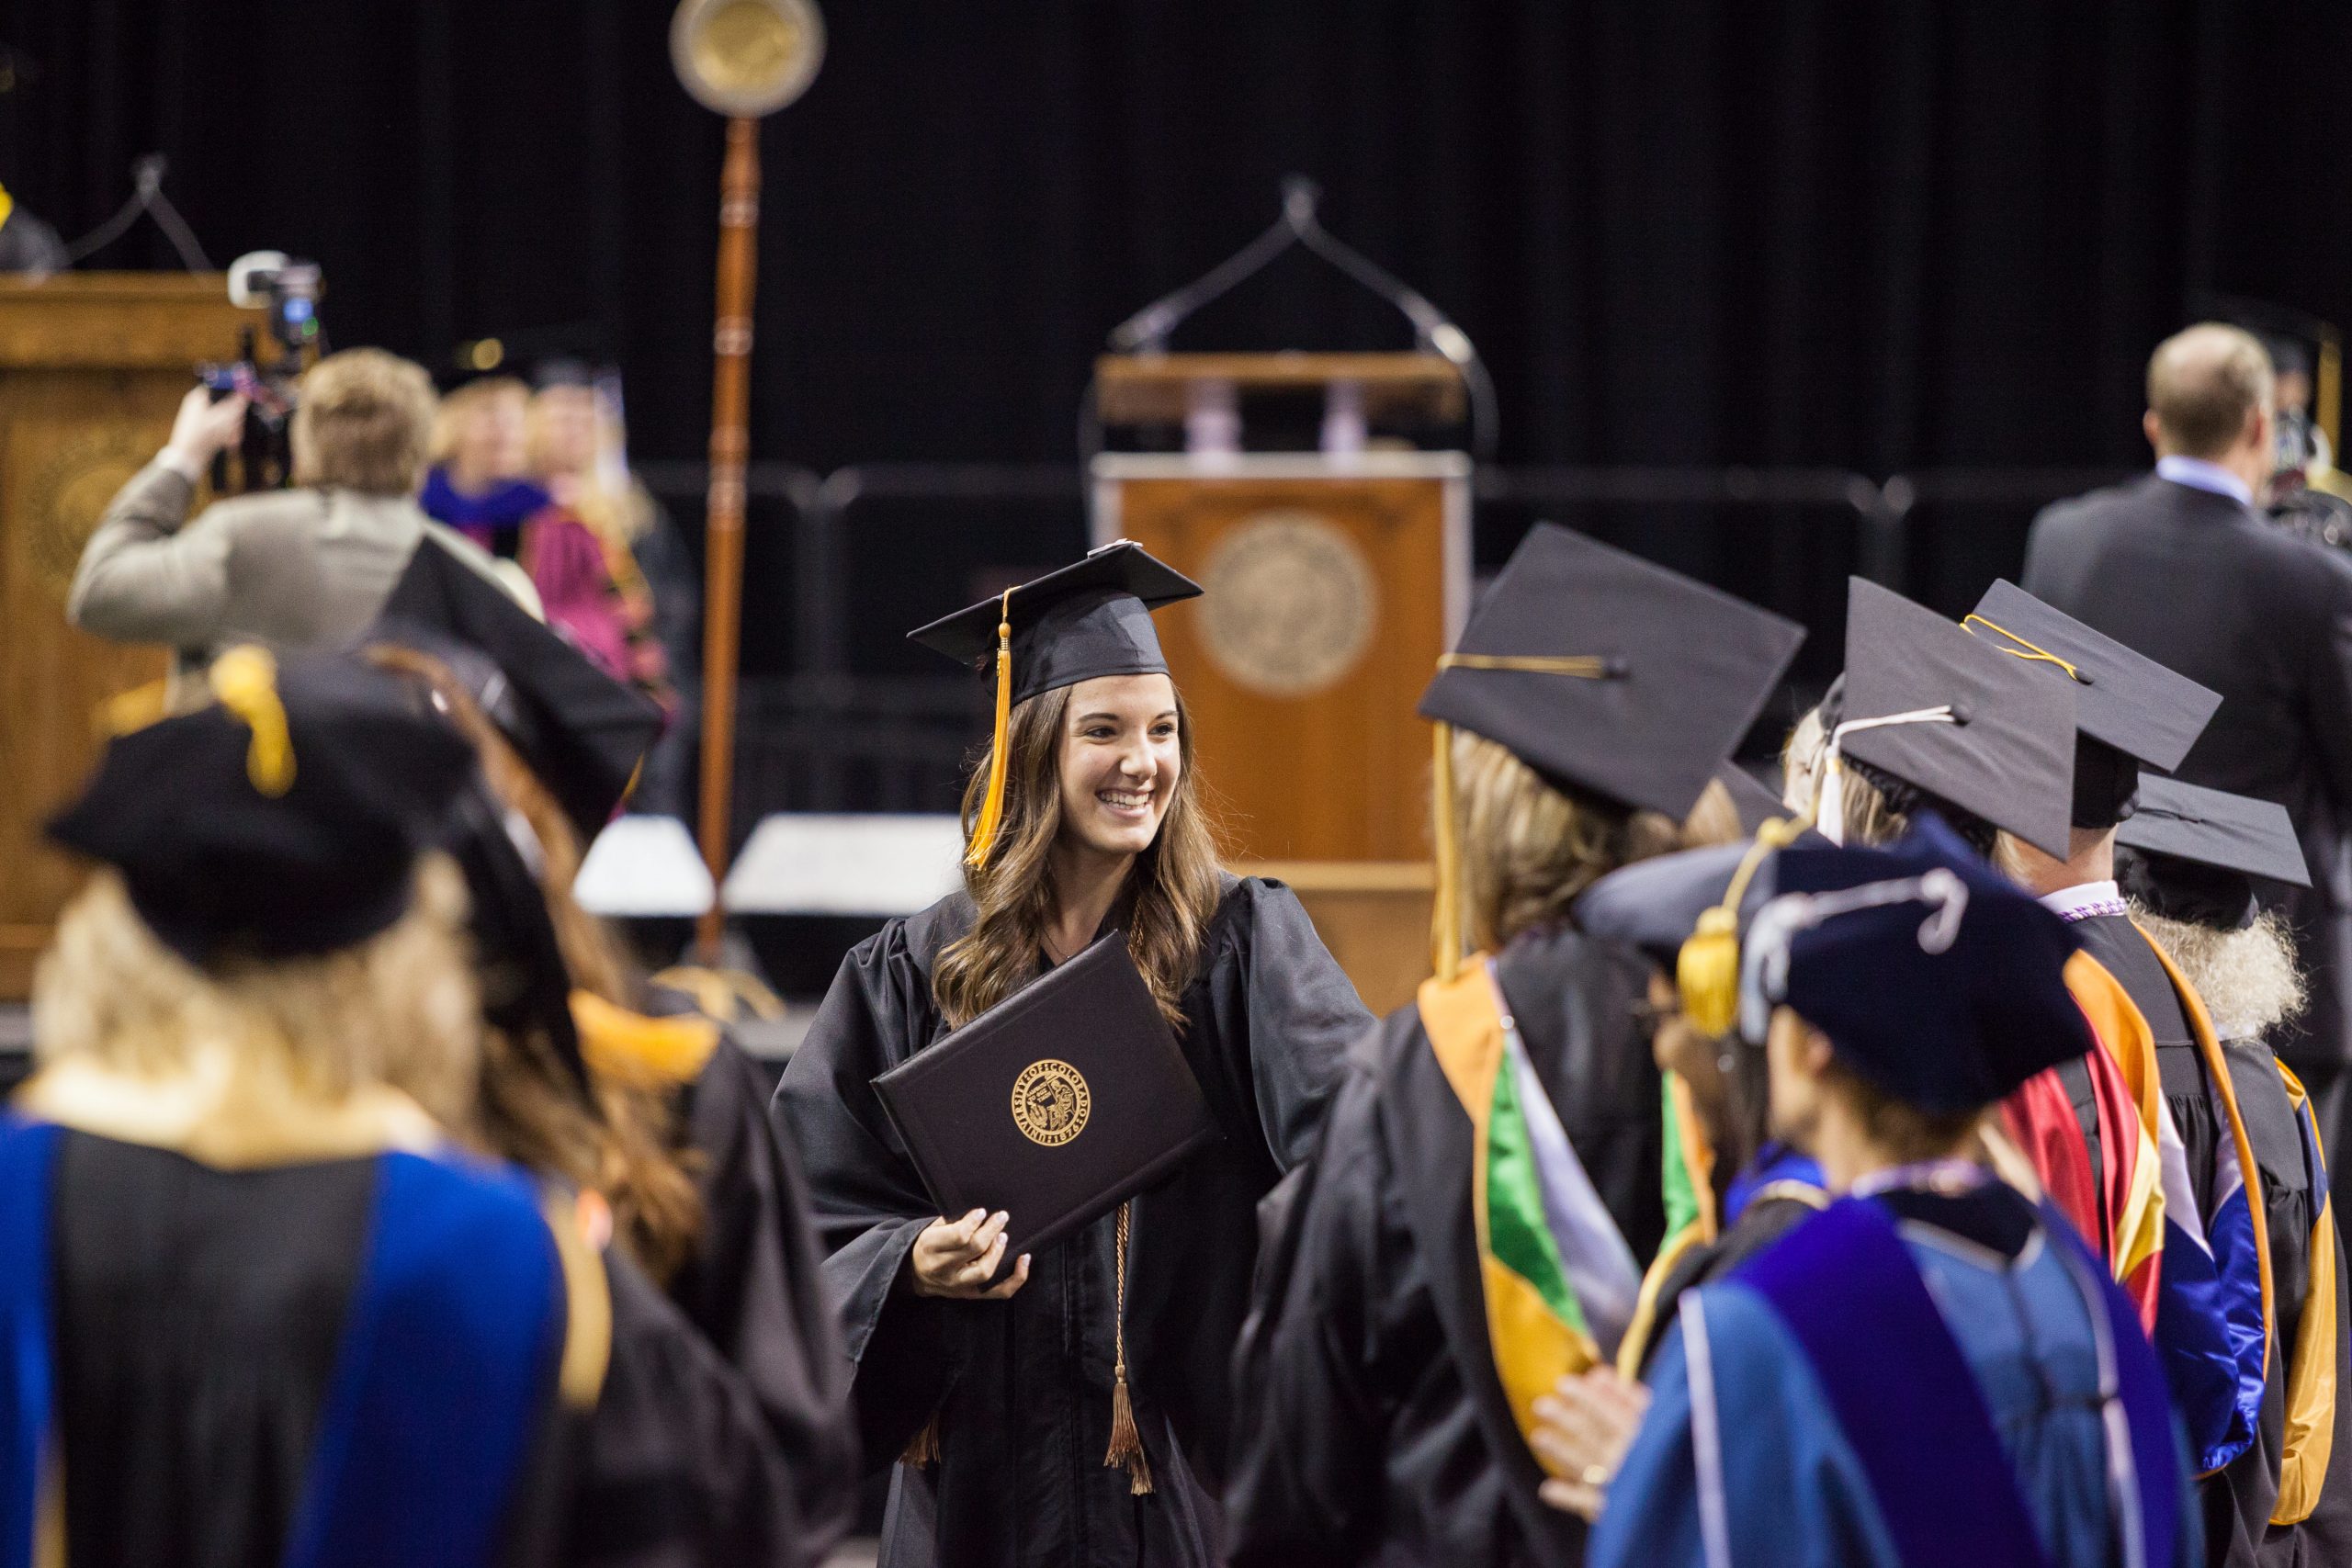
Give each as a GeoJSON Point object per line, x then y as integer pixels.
{"type": "Point", "coordinates": [1173, 891]}
{"type": "Point", "coordinates": [528, 1112]}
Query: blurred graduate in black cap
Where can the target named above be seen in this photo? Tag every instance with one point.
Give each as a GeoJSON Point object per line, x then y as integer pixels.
{"type": "Point", "coordinates": [1470, 1228]}
{"type": "Point", "coordinates": [1928, 716]}
{"type": "Point", "coordinates": [263, 1307]}
{"type": "Point", "coordinates": [1077, 1412]}
{"type": "Point", "coordinates": [2188, 861]}
{"type": "Point", "coordinates": [2212, 1273]}
{"type": "Point", "coordinates": [1931, 1370]}
{"type": "Point", "coordinates": [658, 1111]}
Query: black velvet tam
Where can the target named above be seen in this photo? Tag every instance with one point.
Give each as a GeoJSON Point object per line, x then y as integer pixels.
{"type": "Point", "coordinates": [219, 868]}
{"type": "Point", "coordinates": [1941, 1016]}
{"type": "Point", "coordinates": [1653, 905]}
{"type": "Point", "coordinates": [1680, 671]}
{"type": "Point", "coordinates": [581, 732]}
{"type": "Point", "coordinates": [2121, 697]}
{"type": "Point", "coordinates": [2008, 755]}
{"type": "Point", "coordinates": [1087, 620]}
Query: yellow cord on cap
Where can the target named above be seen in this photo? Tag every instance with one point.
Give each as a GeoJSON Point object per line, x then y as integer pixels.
{"type": "Point", "coordinates": [1707, 969]}
{"type": "Point", "coordinates": [992, 803]}
{"type": "Point", "coordinates": [2031, 654]}
{"type": "Point", "coordinates": [244, 680]}
{"type": "Point", "coordinates": [1583, 666]}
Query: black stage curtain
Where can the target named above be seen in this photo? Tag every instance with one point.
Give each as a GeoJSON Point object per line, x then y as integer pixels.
{"type": "Point", "coordinates": [1882, 236]}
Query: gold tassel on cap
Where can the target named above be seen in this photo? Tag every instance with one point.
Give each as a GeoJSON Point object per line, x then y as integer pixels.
{"type": "Point", "coordinates": [1707, 969]}
{"type": "Point", "coordinates": [1445, 909]}
{"type": "Point", "coordinates": [244, 680]}
{"type": "Point", "coordinates": [1127, 1443]}
{"type": "Point", "coordinates": [992, 803]}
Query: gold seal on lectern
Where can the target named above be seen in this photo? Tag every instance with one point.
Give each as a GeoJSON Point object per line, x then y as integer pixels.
{"type": "Point", "coordinates": [1291, 606]}
{"type": "Point", "coordinates": [68, 491]}
{"type": "Point", "coordinates": [1050, 1102]}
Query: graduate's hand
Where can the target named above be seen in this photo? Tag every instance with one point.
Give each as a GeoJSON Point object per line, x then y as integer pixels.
{"type": "Point", "coordinates": [1582, 1430]}
{"type": "Point", "coordinates": [956, 1258]}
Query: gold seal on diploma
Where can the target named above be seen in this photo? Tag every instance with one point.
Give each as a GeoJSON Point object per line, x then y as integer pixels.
{"type": "Point", "coordinates": [1050, 1102]}
{"type": "Point", "coordinates": [1291, 604]}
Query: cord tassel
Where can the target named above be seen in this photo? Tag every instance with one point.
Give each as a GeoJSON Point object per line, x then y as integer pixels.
{"type": "Point", "coordinates": [922, 1448]}
{"type": "Point", "coordinates": [1127, 1443]}
{"type": "Point", "coordinates": [985, 825]}
{"type": "Point", "coordinates": [1445, 909]}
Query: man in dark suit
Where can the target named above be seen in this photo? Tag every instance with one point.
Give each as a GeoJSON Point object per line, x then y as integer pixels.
{"type": "Point", "coordinates": [2179, 565]}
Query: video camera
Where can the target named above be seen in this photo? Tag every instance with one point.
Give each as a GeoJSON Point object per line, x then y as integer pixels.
{"type": "Point", "coordinates": [288, 290]}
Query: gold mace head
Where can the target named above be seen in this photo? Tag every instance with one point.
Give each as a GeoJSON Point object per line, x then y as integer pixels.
{"type": "Point", "coordinates": [746, 57]}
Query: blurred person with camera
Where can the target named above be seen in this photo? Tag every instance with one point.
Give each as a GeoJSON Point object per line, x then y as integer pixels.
{"type": "Point", "coordinates": [2179, 565]}
{"type": "Point", "coordinates": [308, 567]}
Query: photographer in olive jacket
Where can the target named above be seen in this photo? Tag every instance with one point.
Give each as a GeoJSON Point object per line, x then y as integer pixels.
{"type": "Point", "coordinates": [302, 568]}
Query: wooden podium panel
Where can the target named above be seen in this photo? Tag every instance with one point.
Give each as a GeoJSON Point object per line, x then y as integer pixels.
{"type": "Point", "coordinates": [1334, 583]}
{"type": "Point", "coordinates": [92, 366]}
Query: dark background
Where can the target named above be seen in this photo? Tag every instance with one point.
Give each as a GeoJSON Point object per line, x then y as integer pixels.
{"type": "Point", "coordinates": [1883, 237]}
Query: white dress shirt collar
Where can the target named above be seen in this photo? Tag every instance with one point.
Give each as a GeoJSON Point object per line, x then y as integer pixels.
{"type": "Point", "coordinates": [2198, 474]}
{"type": "Point", "coordinates": [2084, 900]}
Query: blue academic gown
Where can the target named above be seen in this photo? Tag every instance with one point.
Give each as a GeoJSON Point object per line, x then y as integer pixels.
{"type": "Point", "coordinates": [1795, 1489]}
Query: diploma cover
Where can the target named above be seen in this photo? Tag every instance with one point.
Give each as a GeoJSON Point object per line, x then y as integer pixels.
{"type": "Point", "coordinates": [1055, 1105]}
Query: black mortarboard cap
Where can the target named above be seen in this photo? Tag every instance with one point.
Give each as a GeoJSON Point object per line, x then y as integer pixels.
{"type": "Point", "coordinates": [2121, 697]}
{"type": "Point", "coordinates": [1659, 676]}
{"type": "Point", "coordinates": [1087, 620]}
{"type": "Point", "coordinates": [518, 961]}
{"type": "Point", "coordinates": [230, 851]}
{"type": "Point", "coordinates": [2214, 828]}
{"type": "Point", "coordinates": [1935, 977]}
{"type": "Point", "coordinates": [1754, 804]}
{"type": "Point", "coordinates": [583, 732]}
{"type": "Point", "coordinates": [2007, 752]}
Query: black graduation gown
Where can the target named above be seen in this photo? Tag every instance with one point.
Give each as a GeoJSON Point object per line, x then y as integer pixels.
{"type": "Point", "coordinates": [199, 1315]}
{"type": "Point", "coordinates": [753, 1286]}
{"type": "Point", "coordinates": [1372, 1426]}
{"type": "Point", "coordinates": [2238, 1502]}
{"type": "Point", "coordinates": [1023, 1387]}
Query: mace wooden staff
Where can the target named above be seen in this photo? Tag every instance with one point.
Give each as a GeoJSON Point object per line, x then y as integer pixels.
{"type": "Point", "coordinates": [744, 58]}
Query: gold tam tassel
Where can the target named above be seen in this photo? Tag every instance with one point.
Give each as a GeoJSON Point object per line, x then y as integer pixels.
{"type": "Point", "coordinates": [992, 802]}
{"type": "Point", "coordinates": [1445, 909]}
{"type": "Point", "coordinates": [1127, 1443]}
{"type": "Point", "coordinates": [1707, 969]}
{"type": "Point", "coordinates": [246, 682]}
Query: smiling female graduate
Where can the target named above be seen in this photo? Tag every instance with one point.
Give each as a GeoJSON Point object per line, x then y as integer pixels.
{"type": "Point", "coordinates": [1468, 1232]}
{"type": "Point", "coordinates": [1075, 1411]}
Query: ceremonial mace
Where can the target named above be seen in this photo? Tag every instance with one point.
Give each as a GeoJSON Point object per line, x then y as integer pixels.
{"type": "Point", "coordinates": [744, 59]}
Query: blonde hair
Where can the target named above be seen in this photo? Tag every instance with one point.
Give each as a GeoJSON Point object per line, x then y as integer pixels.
{"type": "Point", "coordinates": [463, 400]}
{"type": "Point", "coordinates": [364, 422]}
{"type": "Point", "coordinates": [2247, 979]}
{"type": "Point", "coordinates": [619, 513]}
{"type": "Point", "coordinates": [1529, 848]}
{"type": "Point", "coordinates": [399, 1009]}
{"type": "Point", "coordinates": [529, 1114]}
{"type": "Point", "coordinates": [1176, 883]}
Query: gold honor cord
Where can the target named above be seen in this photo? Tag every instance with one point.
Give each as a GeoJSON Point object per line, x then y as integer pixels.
{"type": "Point", "coordinates": [2024, 649]}
{"type": "Point", "coordinates": [1445, 908]}
{"type": "Point", "coordinates": [984, 827]}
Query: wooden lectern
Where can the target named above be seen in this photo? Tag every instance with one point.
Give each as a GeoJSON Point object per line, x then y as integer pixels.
{"type": "Point", "coordinates": [92, 366]}
{"type": "Point", "coordinates": [1335, 579]}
